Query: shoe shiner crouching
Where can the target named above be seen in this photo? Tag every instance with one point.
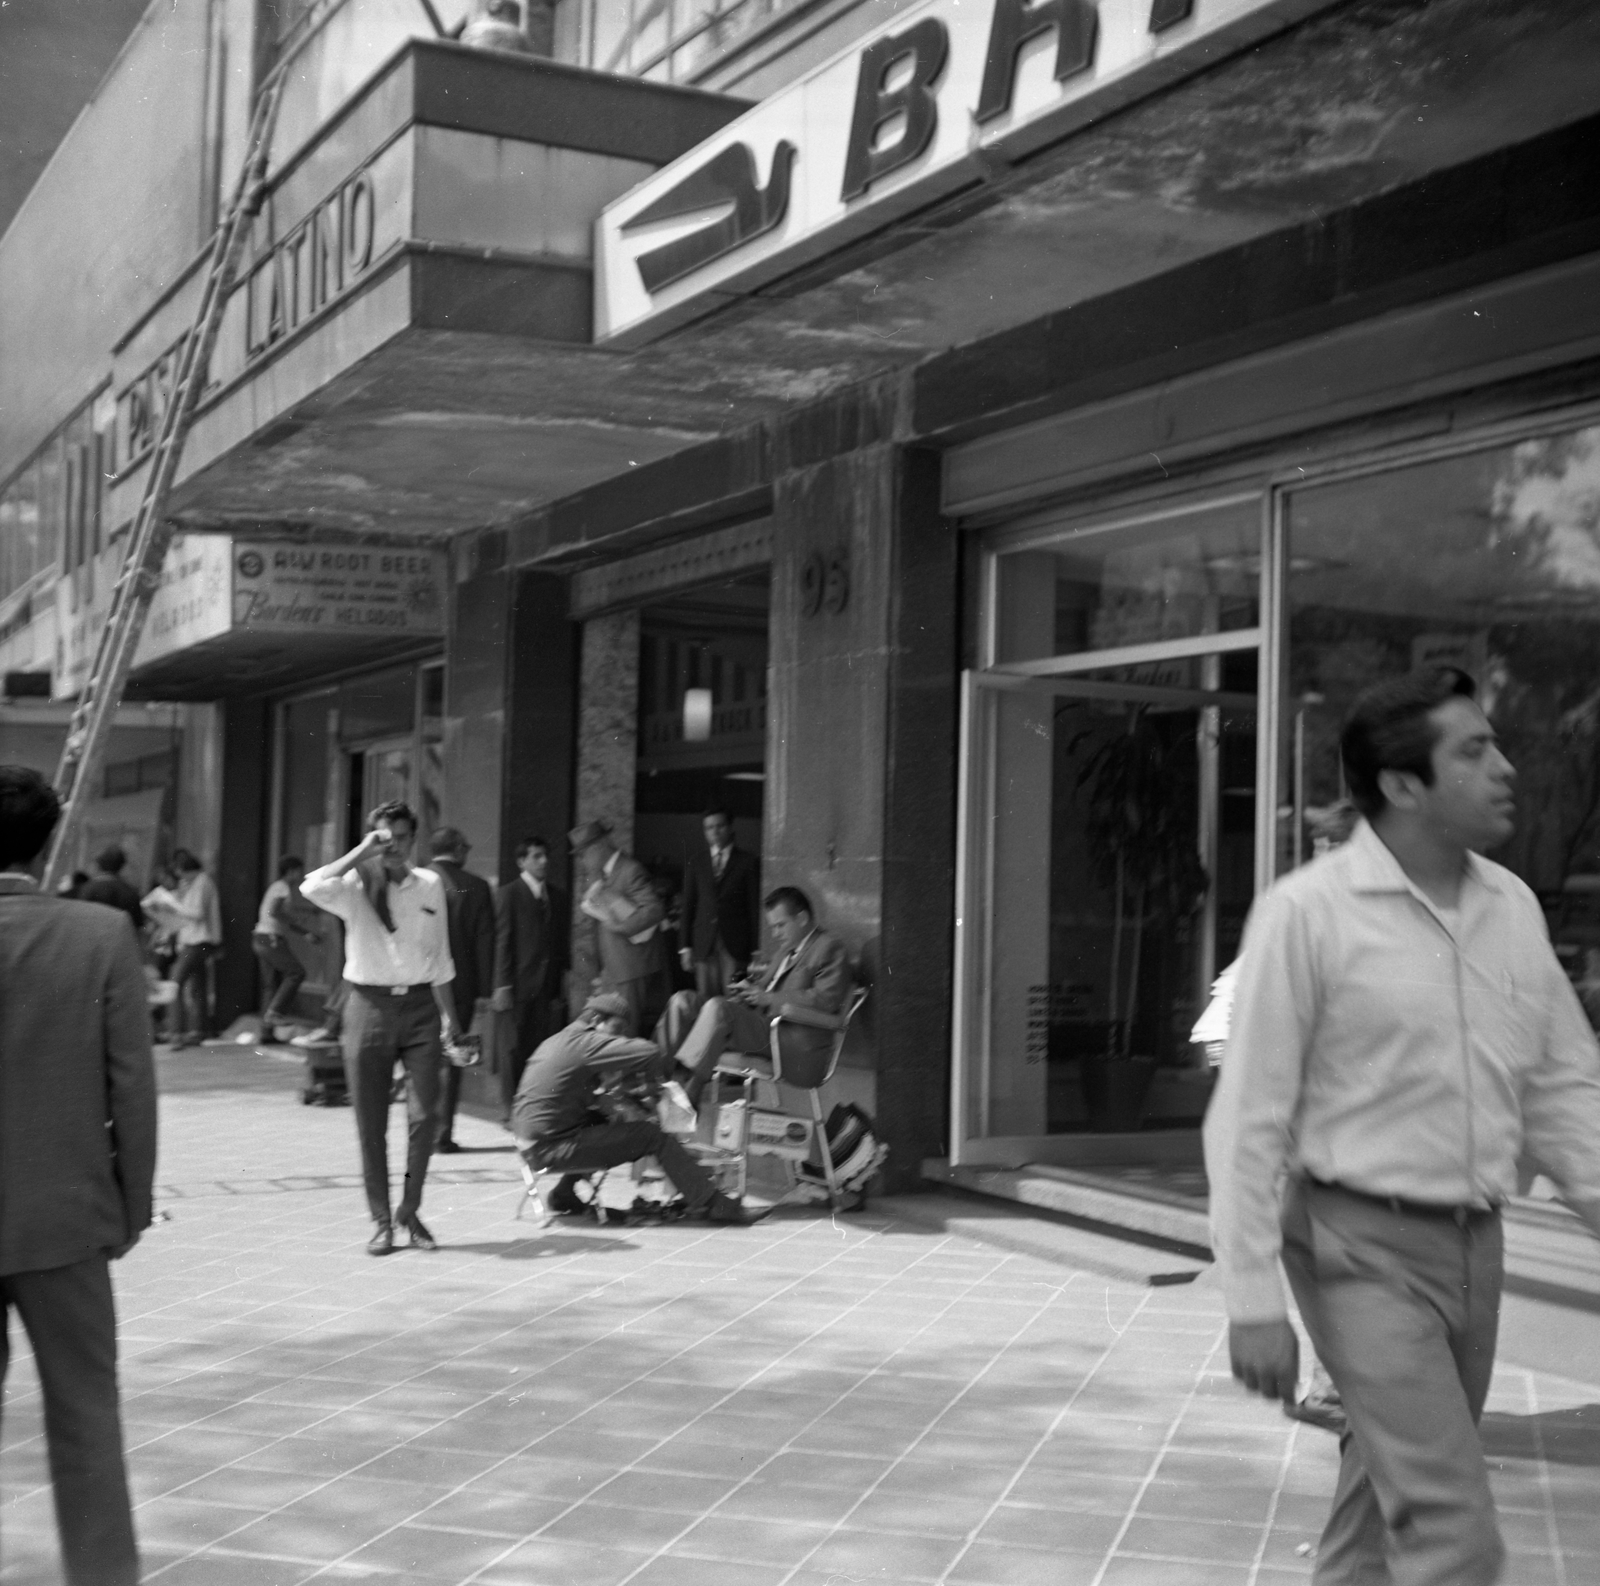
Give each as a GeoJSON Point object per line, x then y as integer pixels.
{"type": "Point", "coordinates": [559, 1129]}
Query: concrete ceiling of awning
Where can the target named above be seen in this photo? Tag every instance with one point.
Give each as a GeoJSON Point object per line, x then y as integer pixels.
{"type": "Point", "coordinates": [440, 431]}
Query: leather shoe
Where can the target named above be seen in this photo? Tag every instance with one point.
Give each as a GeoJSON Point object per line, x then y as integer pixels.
{"type": "Point", "coordinates": [382, 1241]}
{"type": "Point", "coordinates": [421, 1239]}
{"type": "Point", "coordinates": [731, 1213]}
{"type": "Point", "coordinates": [447, 1147]}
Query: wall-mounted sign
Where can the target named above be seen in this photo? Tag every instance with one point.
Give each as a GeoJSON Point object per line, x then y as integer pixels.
{"type": "Point", "coordinates": [338, 589]}
{"type": "Point", "coordinates": [917, 109]}
{"type": "Point", "coordinates": [190, 605]}
{"type": "Point", "coordinates": [214, 587]}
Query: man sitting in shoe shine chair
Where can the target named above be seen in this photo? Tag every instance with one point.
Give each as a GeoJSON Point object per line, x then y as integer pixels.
{"type": "Point", "coordinates": [812, 975]}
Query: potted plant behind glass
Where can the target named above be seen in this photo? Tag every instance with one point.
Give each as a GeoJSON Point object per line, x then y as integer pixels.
{"type": "Point", "coordinates": [1140, 831]}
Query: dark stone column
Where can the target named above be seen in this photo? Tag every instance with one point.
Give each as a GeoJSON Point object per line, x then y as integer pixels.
{"type": "Point", "coordinates": [475, 715]}
{"type": "Point", "coordinates": [861, 758]}
{"type": "Point", "coordinates": [240, 876]}
{"type": "Point", "coordinates": [541, 724]}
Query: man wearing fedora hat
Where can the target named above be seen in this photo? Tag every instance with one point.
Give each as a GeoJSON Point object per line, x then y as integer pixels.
{"type": "Point", "coordinates": [627, 915]}
{"type": "Point", "coordinates": [558, 1130]}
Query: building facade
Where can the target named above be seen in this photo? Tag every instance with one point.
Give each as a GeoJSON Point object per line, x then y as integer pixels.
{"type": "Point", "coordinates": [985, 448]}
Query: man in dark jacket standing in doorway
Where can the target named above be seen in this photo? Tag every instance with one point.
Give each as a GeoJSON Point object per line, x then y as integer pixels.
{"type": "Point", "coordinates": [77, 1159]}
{"type": "Point", "coordinates": [721, 908]}
{"type": "Point", "coordinates": [469, 906]}
{"type": "Point", "coordinates": [530, 956]}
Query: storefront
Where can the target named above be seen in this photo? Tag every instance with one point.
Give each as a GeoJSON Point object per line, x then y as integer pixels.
{"type": "Point", "coordinates": [1150, 731]}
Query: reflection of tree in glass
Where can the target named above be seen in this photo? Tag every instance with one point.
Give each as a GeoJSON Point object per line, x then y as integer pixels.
{"type": "Point", "coordinates": [1141, 841]}
{"type": "Point", "coordinates": [1546, 507]}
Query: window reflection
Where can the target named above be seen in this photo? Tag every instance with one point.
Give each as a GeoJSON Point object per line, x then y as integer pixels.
{"type": "Point", "coordinates": [1110, 589]}
{"type": "Point", "coordinates": [1489, 561]}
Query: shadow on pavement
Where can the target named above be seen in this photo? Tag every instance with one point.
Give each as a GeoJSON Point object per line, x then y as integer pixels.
{"type": "Point", "coordinates": [1563, 1437]}
{"type": "Point", "coordinates": [552, 1245]}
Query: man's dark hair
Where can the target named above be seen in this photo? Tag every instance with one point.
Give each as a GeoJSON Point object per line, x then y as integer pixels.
{"type": "Point", "coordinates": [111, 860]}
{"type": "Point", "coordinates": [1388, 730]}
{"type": "Point", "coordinates": [290, 862]}
{"type": "Point", "coordinates": [717, 809]}
{"type": "Point", "coordinates": [790, 898]}
{"type": "Point", "coordinates": [185, 862]}
{"type": "Point", "coordinates": [528, 844]}
{"type": "Point", "coordinates": [388, 814]}
{"type": "Point", "coordinates": [29, 810]}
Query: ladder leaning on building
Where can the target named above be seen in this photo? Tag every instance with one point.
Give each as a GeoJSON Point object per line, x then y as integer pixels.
{"type": "Point", "coordinates": [151, 533]}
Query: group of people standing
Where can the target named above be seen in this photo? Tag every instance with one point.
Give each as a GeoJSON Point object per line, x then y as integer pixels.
{"type": "Point", "coordinates": [433, 953]}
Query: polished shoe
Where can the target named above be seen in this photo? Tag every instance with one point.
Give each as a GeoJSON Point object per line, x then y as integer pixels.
{"type": "Point", "coordinates": [421, 1239]}
{"type": "Point", "coordinates": [447, 1147]}
{"type": "Point", "coordinates": [564, 1201]}
{"type": "Point", "coordinates": [723, 1209]}
{"type": "Point", "coordinates": [382, 1241]}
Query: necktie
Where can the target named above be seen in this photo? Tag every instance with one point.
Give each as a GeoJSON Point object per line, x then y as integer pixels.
{"type": "Point", "coordinates": [719, 861]}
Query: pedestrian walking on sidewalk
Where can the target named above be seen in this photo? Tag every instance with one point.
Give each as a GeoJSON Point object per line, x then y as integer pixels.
{"type": "Point", "coordinates": [397, 962]}
{"type": "Point", "coordinates": [1401, 1028]}
{"type": "Point", "coordinates": [282, 973]}
{"type": "Point", "coordinates": [77, 1157]}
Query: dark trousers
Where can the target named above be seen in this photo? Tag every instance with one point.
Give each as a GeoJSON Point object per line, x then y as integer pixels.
{"type": "Point", "coordinates": [191, 1014]}
{"type": "Point", "coordinates": [281, 973]}
{"type": "Point", "coordinates": [1403, 1310]}
{"type": "Point", "coordinates": [604, 1145]}
{"type": "Point", "coordinates": [71, 1322]}
{"type": "Point", "coordinates": [713, 975]}
{"type": "Point", "coordinates": [381, 1030]}
{"type": "Point", "coordinates": [449, 1074]}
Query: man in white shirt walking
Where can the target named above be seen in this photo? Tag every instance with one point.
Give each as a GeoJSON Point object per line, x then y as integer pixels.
{"type": "Point", "coordinates": [1401, 1031]}
{"type": "Point", "coordinates": [398, 964]}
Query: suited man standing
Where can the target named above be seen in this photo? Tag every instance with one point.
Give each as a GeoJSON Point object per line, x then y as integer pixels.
{"type": "Point", "coordinates": [721, 908]}
{"type": "Point", "coordinates": [812, 971]}
{"type": "Point", "coordinates": [530, 957]}
{"type": "Point", "coordinates": [469, 915]}
{"type": "Point", "coordinates": [627, 912]}
{"type": "Point", "coordinates": [77, 1160]}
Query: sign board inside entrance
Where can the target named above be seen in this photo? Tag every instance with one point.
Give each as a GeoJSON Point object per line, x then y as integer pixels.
{"type": "Point", "coordinates": [920, 107]}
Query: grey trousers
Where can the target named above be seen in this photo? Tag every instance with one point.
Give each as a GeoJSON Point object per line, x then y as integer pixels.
{"type": "Point", "coordinates": [71, 1321]}
{"type": "Point", "coordinates": [380, 1031]}
{"type": "Point", "coordinates": [697, 1033]}
{"type": "Point", "coordinates": [1403, 1310]}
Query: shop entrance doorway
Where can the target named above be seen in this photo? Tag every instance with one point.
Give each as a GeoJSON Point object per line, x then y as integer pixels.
{"type": "Point", "coordinates": [702, 728]}
{"type": "Point", "coordinates": [1109, 835]}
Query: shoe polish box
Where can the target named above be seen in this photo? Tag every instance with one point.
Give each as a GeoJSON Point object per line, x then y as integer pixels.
{"type": "Point", "coordinates": [778, 1134]}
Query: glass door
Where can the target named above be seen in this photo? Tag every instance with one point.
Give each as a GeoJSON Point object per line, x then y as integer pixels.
{"type": "Point", "coordinates": [1108, 823]}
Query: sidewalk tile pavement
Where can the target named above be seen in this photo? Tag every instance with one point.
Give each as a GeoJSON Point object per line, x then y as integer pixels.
{"type": "Point", "coordinates": [809, 1402]}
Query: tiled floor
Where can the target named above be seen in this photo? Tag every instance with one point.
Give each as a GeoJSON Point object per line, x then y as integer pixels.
{"type": "Point", "coordinates": [806, 1402]}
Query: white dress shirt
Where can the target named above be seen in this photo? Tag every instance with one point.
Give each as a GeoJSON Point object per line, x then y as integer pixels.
{"type": "Point", "coordinates": [415, 953]}
{"type": "Point", "coordinates": [1380, 1045]}
{"type": "Point", "coordinates": [535, 887]}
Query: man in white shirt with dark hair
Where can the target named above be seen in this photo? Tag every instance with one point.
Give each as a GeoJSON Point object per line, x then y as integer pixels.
{"type": "Point", "coordinates": [1402, 1031]}
{"type": "Point", "coordinates": [398, 965]}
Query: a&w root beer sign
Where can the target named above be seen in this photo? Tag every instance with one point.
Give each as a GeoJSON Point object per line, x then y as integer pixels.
{"type": "Point", "coordinates": [913, 111]}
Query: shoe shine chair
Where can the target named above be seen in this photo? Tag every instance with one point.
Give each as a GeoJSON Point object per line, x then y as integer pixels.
{"type": "Point", "coordinates": [531, 1177]}
{"type": "Point", "coordinates": [798, 1064]}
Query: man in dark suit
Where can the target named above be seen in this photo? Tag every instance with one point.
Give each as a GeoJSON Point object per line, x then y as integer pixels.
{"type": "Point", "coordinates": [109, 887]}
{"type": "Point", "coordinates": [530, 957]}
{"type": "Point", "coordinates": [77, 1157]}
{"type": "Point", "coordinates": [469, 911]}
{"type": "Point", "coordinates": [811, 972]}
{"type": "Point", "coordinates": [721, 908]}
{"type": "Point", "coordinates": [627, 912]}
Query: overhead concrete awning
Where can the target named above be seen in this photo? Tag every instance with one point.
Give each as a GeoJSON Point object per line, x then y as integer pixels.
{"type": "Point", "coordinates": [409, 349]}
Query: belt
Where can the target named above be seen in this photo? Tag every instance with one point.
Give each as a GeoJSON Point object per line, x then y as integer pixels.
{"type": "Point", "coordinates": [389, 991]}
{"type": "Point", "coordinates": [1461, 1216]}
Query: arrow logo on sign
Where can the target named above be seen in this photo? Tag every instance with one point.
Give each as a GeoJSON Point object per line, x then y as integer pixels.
{"type": "Point", "coordinates": [728, 178]}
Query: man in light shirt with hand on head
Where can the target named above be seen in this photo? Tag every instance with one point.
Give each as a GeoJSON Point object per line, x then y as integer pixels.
{"type": "Point", "coordinates": [1402, 1032]}
{"type": "Point", "coordinates": [398, 965]}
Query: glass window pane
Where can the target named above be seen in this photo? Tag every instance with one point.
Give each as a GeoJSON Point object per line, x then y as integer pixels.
{"type": "Point", "coordinates": [610, 48]}
{"type": "Point", "coordinates": [1120, 867]}
{"type": "Point", "coordinates": [1489, 561]}
{"type": "Point", "coordinates": [32, 552]}
{"type": "Point", "coordinates": [1177, 578]}
{"type": "Point", "coordinates": [9, 547]}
